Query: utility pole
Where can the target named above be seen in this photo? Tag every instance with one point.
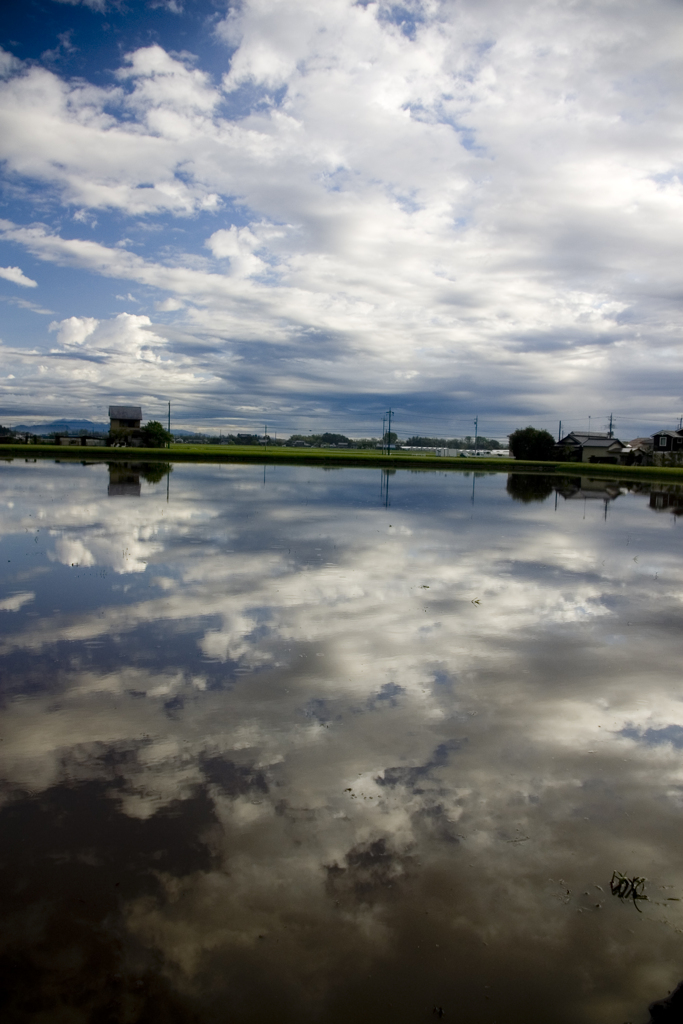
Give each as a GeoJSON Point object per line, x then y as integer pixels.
{"type": "Point", "coordinates": [169, 421]}
{"type": "Point", "coordinates": [384, 431]}
{"type": "Point", "coordinates": [389, 414]}
{"type": "Point", "coordinates": [265, 435]}
{"type": "Point", "coordinates": [589, 424]}
{"type": "Point", "coordinates": [559, 432]}
{"type": "Point", "coordinates": [476, 432]}
{"type": "Point", "coordinates": [610, 424]}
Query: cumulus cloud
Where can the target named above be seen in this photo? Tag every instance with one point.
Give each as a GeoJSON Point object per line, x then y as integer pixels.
{"type": "Point", "coordinates": [17, 276]}
{"type": "Point", "coordinates": [487, 197]}
{"type": "Point", "coordinates": [123, 338]}
{"type": "Point", "coordinates": [113, 358]}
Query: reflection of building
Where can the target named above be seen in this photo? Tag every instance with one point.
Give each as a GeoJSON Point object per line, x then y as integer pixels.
{"type": "Point", "coordinates": [586, 488]}
{"type": "Point", "coordinates": [668, 500]}
{"type": "Point", "coordinates": [581, 488]}
{"type": "Point", "coordinates": [123, 480]}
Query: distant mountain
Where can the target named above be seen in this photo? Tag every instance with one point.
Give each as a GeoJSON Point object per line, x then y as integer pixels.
{"type": "Point", "coordinates": [73, 426]}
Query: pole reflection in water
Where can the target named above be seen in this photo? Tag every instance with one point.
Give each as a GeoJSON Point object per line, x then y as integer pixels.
{"type": "Point", "coordinates": [384, 485]}
{"type": "Point", "coordinates": [277, 753]}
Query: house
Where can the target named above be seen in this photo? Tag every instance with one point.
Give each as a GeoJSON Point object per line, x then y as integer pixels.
{"type": "Point", "coordinates": [124, 425]}
{"type": "Point", "coordinates": [586, 446]}
{"type": "Point", "coordinates": [637, 452]}
{"type": "Point", "coordinates": [667, 448]}
{"type": "Point", "coordinates": [667, 441]}
{"type": "Point", "coordinates": [124, 416]}
{"type": "Point", "coordinates": [642, 443]}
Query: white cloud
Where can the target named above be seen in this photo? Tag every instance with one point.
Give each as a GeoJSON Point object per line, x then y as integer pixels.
{"type": "Point", "coordinates": [16, 601]}
{"type": "Point", "coordinates": [17, 276]}
{"type": "Point", "coordinates": [95, 5]}
{"type": "Point", "coordinates": [8, 63]}
{"type": "Point", "coordinates": [488, 192]}
{"type": "Point", "coordinates": [121, 339]}
{"type": "Point", "coordinates": [75, 330]}
{"type": "Point", "coordinates": [237, 244]}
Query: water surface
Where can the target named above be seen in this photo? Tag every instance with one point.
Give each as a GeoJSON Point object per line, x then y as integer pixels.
{"type": "Point", "coordinates": [289, 744]}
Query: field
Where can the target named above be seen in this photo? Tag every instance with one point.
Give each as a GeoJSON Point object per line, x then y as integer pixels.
{"type": "Point", "coordinates": [329, 457]}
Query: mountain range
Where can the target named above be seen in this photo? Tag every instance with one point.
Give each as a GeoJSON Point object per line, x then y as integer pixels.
{"type": "Point", "coordinates": [74, 426]}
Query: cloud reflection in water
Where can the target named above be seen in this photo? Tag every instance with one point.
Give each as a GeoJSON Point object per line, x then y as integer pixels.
{"type": "Point", "coordinates": [263, 754]}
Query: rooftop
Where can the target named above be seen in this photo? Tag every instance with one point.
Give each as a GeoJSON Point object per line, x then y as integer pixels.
{"type": "Point", "coordinates": [125, 412]}
{"type": "Point", "coordinates": [602, 442]}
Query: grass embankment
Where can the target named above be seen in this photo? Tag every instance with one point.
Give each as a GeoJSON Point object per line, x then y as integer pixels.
{"type": "Point", "coordinates": [331, 457]}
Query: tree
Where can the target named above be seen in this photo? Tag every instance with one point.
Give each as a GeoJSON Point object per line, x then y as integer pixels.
{"type": "Point", "coordinates": [328, 438]}
{"type": "Point", "coordinates": [120, 437]}
{"type": "Point", "coordinates": [488, 443]}
{"type": "Point", "coordinates": [536, 445]}
{"type": "Point", "coordinates": [154, 435]}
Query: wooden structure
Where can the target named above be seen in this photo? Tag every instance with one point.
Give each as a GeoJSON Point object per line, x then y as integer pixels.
{"type": "Point", "coordinates": [124, 426]}
{"type": "Point", "coordinates": [125, 417]}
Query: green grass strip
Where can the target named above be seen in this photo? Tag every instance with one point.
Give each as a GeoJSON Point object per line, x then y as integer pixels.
{"type": "Point", "coordinates": [326, 457]}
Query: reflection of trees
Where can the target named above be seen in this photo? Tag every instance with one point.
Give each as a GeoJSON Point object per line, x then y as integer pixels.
{"type": "Point", "coordinates": [124, 477]}
{"type": "Point", "coordinates": [153, 472]}
{"type": "Point", "coordinates": [529, 487]}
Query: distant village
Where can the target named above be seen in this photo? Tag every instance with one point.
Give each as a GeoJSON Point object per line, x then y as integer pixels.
{"type": "Point", "coordinates": [126, 429]}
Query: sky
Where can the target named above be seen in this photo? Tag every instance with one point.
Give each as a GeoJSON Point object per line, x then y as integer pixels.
{"type": "Point", "coordinates": [301, 215]}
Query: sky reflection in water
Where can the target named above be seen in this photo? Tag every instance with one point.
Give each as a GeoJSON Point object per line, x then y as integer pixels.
{"type": "Point", "coordinates": [279, 745]}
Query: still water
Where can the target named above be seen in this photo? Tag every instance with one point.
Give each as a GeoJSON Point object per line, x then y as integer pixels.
{"type": "Point", "coordinates": [295, 745]}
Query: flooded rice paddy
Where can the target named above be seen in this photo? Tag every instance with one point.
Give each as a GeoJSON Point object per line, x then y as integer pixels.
{"type": "Point", "coordinates": [294, 745]}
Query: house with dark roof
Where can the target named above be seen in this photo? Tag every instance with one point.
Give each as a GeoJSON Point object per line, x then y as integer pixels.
{"type": "Point", "coordinates": [124, 425]}
{"type": "Point", "coordinates": [667, 448]}
{"type": "Point", "coordinates": [586, 446]}
{"type": "Point", "coordinates": [667, 441]}
{"type": "Point", "coordinates": [125, 416]}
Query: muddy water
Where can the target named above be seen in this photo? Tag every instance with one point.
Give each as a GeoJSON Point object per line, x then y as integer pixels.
{"type": "Point", "coordinates": [294, 745]}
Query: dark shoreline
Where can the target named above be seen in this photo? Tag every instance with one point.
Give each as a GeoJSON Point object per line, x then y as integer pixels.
{"type": "Point", "coordinates": [325, 457]}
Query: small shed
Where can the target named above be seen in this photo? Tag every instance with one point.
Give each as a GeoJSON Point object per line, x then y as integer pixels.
{"type": "Point", "coordinates": [125, 417]}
